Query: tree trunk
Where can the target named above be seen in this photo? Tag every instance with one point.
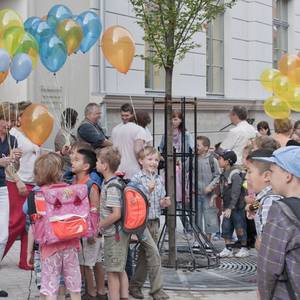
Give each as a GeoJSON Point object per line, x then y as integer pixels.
{"type": "Point", "coordinates": [170, 171]}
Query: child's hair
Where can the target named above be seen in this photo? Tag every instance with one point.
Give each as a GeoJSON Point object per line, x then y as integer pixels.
{"type": "Point", "coordinates": [89, 157]}
{"type": "Point", "coordinates": [264, 125]}
{"type": "Point", "coordinates": [266, 142]}
{"type": "Point", "coordinates": [205, 140]}
{"type": "Point", "coordinates": [283, 126]}
{"type": "Point", "coordinates": [48, 169]}
{"type": "Point", "coordinates": [110, 156]}
{"type": "Point", "coordinates": [148, 150]}
{"type": "Point", "coordinates": [81, 145]}
{"type": "Point", "coordinates": [262, 166]}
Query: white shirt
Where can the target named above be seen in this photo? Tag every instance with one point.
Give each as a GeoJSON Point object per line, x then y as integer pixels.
{"type": "Point", "coordinates": [30, 152]}
{"type": "Point", "coordinates": [237, 139]}
{"type": "Point", "coordinates": [123, 137]}
{"type": "Point", "coordinates": [149, 137]}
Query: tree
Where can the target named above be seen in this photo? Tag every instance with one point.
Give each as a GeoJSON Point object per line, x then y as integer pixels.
{"type": "Point", "coordinates": [169, 29]}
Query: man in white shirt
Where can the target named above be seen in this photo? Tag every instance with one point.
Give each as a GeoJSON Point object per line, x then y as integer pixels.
{"type": "Point", "coordinates": [238, 137]}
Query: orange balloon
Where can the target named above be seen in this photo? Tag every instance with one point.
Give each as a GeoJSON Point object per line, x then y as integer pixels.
{"type": "Point", "coordinates": [44, 18]}
{"type": "Point", "coordinates": [3, 76]}
{"type": "Point", "coordinates": [294, 76]}
{"type": "Point", "coordinates": [37, 123]}
{"type": "Point", "coordinates": [118, 47]}
{"type": "Point", "coordinates": [288, 63]}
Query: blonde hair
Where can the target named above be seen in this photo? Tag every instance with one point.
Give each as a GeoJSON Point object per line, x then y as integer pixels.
{"type": "Point", "coordinates": [283, 125]}
{"type": "Point", "coordinates": [110, 156]}
{"type": "Point", "coordinates": [48, 169]}
{"type": "Point", "coordinates": [148, 150]}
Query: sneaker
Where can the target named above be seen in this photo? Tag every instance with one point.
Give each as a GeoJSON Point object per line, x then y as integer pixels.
{"type": "Point", "coordinates": [243, 252]}
{"type": "Point", "coordinates": [160, 295]}
{"type": "Point", "coordinates": [136, 293]}
{"type": "Point", "coordinates": [226, 253]}
{"type": "Point", "coordinates": [3, 294]}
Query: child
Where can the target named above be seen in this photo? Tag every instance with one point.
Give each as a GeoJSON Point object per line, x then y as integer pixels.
{"type": "Point", "coordinates": [83, 162]}
{"type": "Point", "coordinates": [278, 267]}
{"type": "Point", "coordinates": [258, 176]}
{"type": "Point", "coordinates": [115, 242]}
{"type": "Point", "coordinates": [148, 256]}
{"type": "Point", "coordinates": [61, 257]}
{"type": "Point", "coordinates": [208, 177]}
{"type": "Point", "coordinates": [232, 194]}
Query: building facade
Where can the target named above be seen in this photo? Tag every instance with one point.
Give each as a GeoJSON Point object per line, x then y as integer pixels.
{"type": "Point", "coordinates": [235, 48]}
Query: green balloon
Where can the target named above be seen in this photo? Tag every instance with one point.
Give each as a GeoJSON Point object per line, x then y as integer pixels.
{"type": "Point", "coordinates": [12, 39]}
{"type": "Point", "coordinates": [9, 19]}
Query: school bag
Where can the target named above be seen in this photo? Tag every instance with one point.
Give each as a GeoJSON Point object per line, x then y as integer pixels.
{"type": "Point", "coordinates": [62, 213]}
{"type": "Point", "coordinates": [134, 206]}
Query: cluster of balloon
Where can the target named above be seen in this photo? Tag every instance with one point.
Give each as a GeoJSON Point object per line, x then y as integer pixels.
{"type": "Point", "coordinates": [52, 37]}
{"type": "Point", "coordinates": [284, 83]}
{"type": "Point", "coordinates": [37, 123]}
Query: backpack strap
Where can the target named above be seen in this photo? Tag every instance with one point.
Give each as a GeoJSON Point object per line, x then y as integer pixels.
{"type": "Point", "coordinates": [212, 164]}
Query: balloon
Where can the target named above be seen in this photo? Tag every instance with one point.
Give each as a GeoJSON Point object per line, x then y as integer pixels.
{"type": "Point", "coordinates": [29, 46]}
{"type": "Point", "coordinates": [92, 28]}
{"type": "Point", "coordinates": [282, 87]}
{"type": "Point", "coordinates": [294, 76]}
{"type": "Point", "coordinates": [3, 76]}
{"type": "Point", "coordinates": [43, 31]}
{"type": "Point", "coordinates": [287, 63]}
{"type": "Point", "coordinates": [21, 66]}
{"type": "Point", "coordinates": [12, 39]}
{"type": "Point", "coordinates": [266, 78]}
{"type": "Point", "coordinates": [294, 103]}
{"type": "Point", "coordinates": [276, 108]}
{"type": "Point", "coordinates": [31, 24]}
{"type": "Point", "coordinates": [71, 33]}
{"type": "Point", "coordinates": [53, 53]}
{"type": "Point", "coordinates": [4, 60]}
{"type": "Point", "coordinates": [8, 19]}
{"type": "Point", "coordinates": [118, 48]}
{"type": "Point", "coordinates": [57, 14]}
{"type": "Point", "coordinates": [37, 123]}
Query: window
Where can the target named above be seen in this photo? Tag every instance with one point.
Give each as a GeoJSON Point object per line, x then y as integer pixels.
{"type": "Point", "coordinates": [280, 29]}
{"type": "Point", "coordinates": [154, 76]}
{"type": "Point", "coordinates": [215, 56]}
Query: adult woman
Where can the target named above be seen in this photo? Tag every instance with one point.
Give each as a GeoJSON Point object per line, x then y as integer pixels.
{"type": "Point", "coordinates": [19, 187]}
{"type": "Point", "coordinates": [143, 119]}
{"type": "Point", "coordinates": [64, 137]}
{"type": "Point", "coordinates": [263, 128]}
{"type": "Point", "coordinates": [283, 129]}
{"type": "Point", "coordinates": [182, 143]}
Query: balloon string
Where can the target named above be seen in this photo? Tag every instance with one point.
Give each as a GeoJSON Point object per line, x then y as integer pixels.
{"type": "Point", "coordinates": [133, 108]}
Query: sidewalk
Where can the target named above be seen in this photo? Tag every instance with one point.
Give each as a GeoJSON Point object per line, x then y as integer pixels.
{"type": "Point", "coordinates": [16, 283]}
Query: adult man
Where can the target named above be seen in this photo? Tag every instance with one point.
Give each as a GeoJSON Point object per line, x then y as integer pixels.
{"type": "Point", "coordinates": [238, 136]}
{"type": "Point", "coordinates": [89, 129]}
{"type": "Point", "coordinates": [126, 112]}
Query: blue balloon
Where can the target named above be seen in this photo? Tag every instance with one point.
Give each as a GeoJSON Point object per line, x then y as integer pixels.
{"type": "Point", "coordinates": [4, 60]}
{"type": "Point", "coordinates": [31, 24]}
{"type": "Point", "coordinates": [43, 31]}
{"type": "Point", "coordinates": [53, 53]}
{"type": "Point", "coordinates": [91, 26]}
{"type": "Point", "coordinates": [58, 13]}
{"type": "Point", "coordinates": [21, 66]}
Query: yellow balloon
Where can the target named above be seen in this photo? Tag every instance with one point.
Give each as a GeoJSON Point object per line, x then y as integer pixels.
{"type": "Point", "coordinates": [37, 123]}
{"type": "Point", "coordinates": [12, 39]}
{"type": "Point", "coordinates": [8, 19]}
{"type": "Point", "coordinates": [283, 87]}
{"type": "Point", "coordinates": [118, 47]}
{"type": "Point", "coordinates": [294, 102]}
{"type": "Point", "coordinates": [276, 108]}
{"type": "Point", "coordinates": [266, 78]}
{"type": "Point", "coordinates": [71, 33]}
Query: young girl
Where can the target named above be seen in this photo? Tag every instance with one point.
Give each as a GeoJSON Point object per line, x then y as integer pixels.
{"type": "Point", "coordinates": [61, 257]}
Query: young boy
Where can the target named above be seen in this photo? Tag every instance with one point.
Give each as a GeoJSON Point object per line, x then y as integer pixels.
{"type": "Point", "coordinates": [278, 265]}
{"type": "Point", "coordinates": [258, 176]}
{"type": "Point", "coordinates": [83, 162]}
{"type": "Point", "coordinates": [115, 242]}
{"type": "Point", "coordinates": [232, 194]}
{"type": "Point", "coordinates": [148, 257]}
{"type": "Point", "coordinates": [208, 177]}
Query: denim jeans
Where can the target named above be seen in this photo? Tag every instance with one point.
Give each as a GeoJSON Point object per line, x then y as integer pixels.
{"type": "Point", "coordinates": [237, 222]}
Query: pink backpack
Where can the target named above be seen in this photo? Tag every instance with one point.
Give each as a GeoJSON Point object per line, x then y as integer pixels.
{"type": "Point", "coordinates": [63, 213]}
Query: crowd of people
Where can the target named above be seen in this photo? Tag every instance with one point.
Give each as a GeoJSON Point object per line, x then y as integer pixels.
{"type": "Point", "coordinates": [255, 175]}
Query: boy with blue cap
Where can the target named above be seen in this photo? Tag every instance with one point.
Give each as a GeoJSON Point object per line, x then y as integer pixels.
{"type": "Point", "coordinates": [278, 266]}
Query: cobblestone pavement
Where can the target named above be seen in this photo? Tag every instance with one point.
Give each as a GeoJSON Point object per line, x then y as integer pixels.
{"type": "Point", "coordinates": [16, 282]}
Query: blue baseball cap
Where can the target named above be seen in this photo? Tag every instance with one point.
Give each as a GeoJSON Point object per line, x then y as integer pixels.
{"type": "Point", "coordinates": [287, 158]}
